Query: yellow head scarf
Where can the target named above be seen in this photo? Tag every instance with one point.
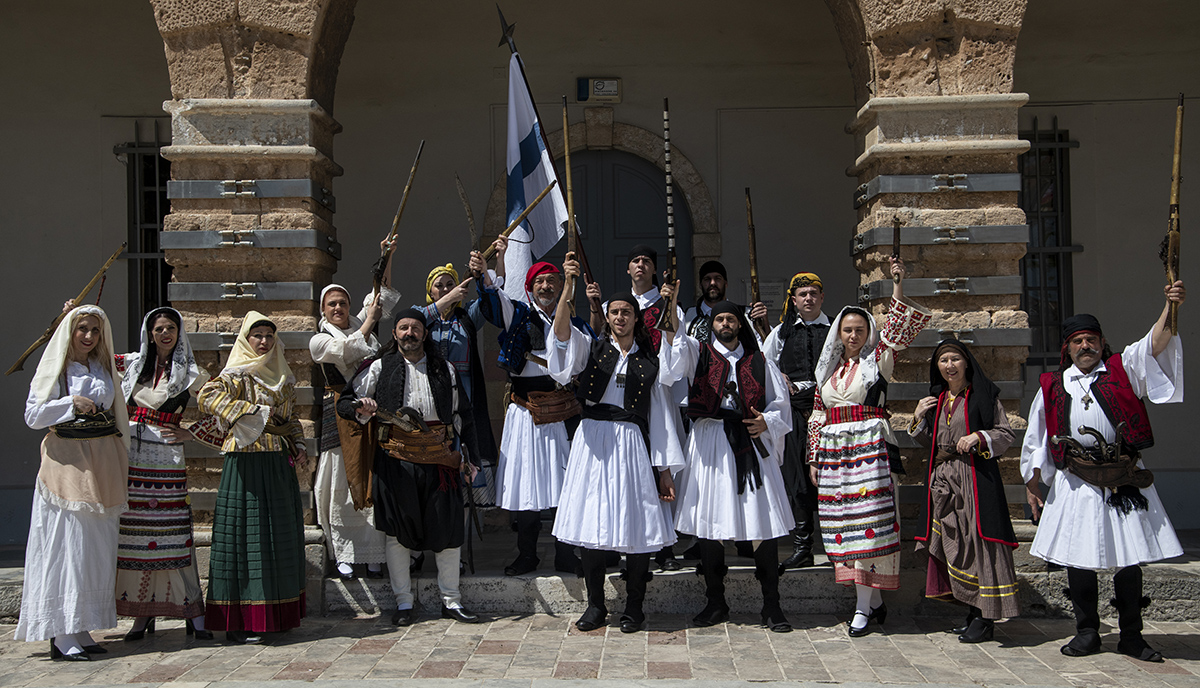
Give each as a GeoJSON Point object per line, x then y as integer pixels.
{"type": "Point", "coordinates": [800, 279]}
{"type": "Point", "coordinates": [270, 368]}
{"type": "Point", "coordinates": [447, 269]}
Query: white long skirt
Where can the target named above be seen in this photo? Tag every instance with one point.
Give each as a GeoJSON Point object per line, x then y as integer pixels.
{"type": "Point", "coordinates": [709, 505]}
{"type": "Point", "coordinates": [532, 462]}
{"type": "Point", "coordinates": [610, 496]}
{"type": "Point", "coordinates": [1079, 529]}
{"type": "Point", "coordinates": [70, 572]}
{"type": "Point", "coordinates": [350, 535]}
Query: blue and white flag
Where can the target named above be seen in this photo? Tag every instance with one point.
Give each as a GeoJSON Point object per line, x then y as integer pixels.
{"type": "Point", "coordinates": [529, 172]}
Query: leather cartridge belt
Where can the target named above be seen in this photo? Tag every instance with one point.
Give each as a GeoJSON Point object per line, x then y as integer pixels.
{"type": "Point", "coordinates": [432, 447]}
{"type": "Point", "coordinates": [549, 407]}
{"type": "Point", "coordinates": [1093, 468]}
{"type": "Point", "coordinates": [88, 426]}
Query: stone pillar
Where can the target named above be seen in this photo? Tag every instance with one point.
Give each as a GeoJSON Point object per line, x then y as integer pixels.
{"type": "Point", "coordinates": [251, 222]}
{"type": "Point", "coordinates": [937, 146]}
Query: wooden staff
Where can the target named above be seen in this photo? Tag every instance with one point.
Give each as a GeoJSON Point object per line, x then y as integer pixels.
{"type": "Point", "coordinates": [462, 194]}
{"type": "Point", "coordinates": [755, 293]}
{"type": "Point", "coordinates": [20, 364]}
{"type": "Point", "coordinates": [896, 243]}
{"type": "Point", "coordinates": [1171, 242]}
{"type": "Point", "coordinates": [491, 250]}
{"type": "Point", "coordinates": [572, 237]}
{"type": "Point", "coordinates": [666, 320]}
{"type": "Point", "coordinates": [381, 264]}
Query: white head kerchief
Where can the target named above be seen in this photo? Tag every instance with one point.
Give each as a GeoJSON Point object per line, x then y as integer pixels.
{"type": "Point", "coordinates": [831, 353]}
{"type": "Point", "coordinates": [325, 326]}
{"type": "Point", "coordinates": [183, 371]}
{"type": "Point", "coordinates": [270, 369]}
{"type": "Point", "coordinates": [54, 361]}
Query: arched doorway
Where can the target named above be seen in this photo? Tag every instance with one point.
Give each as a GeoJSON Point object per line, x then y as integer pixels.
{"type": "Point", "coordinates": [620, 202]}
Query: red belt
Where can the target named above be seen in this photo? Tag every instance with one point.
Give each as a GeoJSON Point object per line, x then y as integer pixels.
{"type": "Point", "coordinates": [141, 414]}
{"type": "Point", "coordinates": [857, 412]}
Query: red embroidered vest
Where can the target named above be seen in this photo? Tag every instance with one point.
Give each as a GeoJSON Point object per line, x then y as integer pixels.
{"type": "Point", "coordinates": [1116, 399]}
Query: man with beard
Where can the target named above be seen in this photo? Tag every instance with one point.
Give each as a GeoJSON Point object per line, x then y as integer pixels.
{"type": "Point", "coordinates": [1093, 408]}
{"type": "Point", "coordinates": [416, 487]}
{"type": "Point", "coordinates": [731, 487]}
{"type": "Point", "coordinates": [795, 345]}
{"type": "Point", "coordinates": [534, 444]}
{"type": "Point", "coordinates": [714, 280]}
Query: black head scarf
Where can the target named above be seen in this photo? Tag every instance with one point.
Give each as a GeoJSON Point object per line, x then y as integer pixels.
{"type": "Point", "coordinates": [981, 401]}
{"type": "Point", "coordinates": [1082, 322]}
{"type": "Point", "coordinates": [745, 333]}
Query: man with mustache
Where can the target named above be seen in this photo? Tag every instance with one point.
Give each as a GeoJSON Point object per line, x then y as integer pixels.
{"type": "Point", "coordinates": [417, 488]}
{"type": "Point", "coordinates": [714, 280]}
{"type": "Point", "coordinates": [1090, 522]}
{"type": "Point", "coordinates": [534, 444]}
{"type": "Point", "coordinates": [795, 345]}
{"type": "Point", "coordinates": [731, 487]}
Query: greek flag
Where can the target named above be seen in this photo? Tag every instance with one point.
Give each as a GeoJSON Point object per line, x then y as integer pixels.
{"type": "Point", "coordinates": [529, 171]}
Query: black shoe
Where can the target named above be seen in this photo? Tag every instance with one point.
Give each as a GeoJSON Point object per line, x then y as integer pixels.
{"type": "Point", "coordinates": [972, 614]}
{"type": "Point", "coordinates": [798, 560]}
{"type": "Point", "coordinates": [775, 622]}
{"type": "Point", "coordinates": [200, 633]}
{"type": "Point", "coordinates": [415, 565]}
{"type": "Point", "coordinates": [979, 631]}
{"type": "Point", "coordinates": [57, 654]}
{"type": "Point", "coordinates": [521, 566]}
{"type": "Point", "coordinates": [631, 625]}
{"type": "Point", "coordinates": [459, 614]}
{"type": "Point", "coordinates": [94, 650]}
{"type": "Point", "coordinates": [132, 635]}
{"type": "Point", "coordinates": [403, 617]}
{"type": "Point", "coordinates": [877, 614]}
{"type": "Point", "coordinates": [665, 563]}
{"type": "Point", "coordinates": [859, 632]}
{"type": "Point", "coordinates": [711, 615]}
{"type": "Point", "coordinates": [1137, 648]}
{"type": "Point", "coordinates": [1082, 645]}
{"type": "Point", "coordinates": [243, 638]}
{"type": "Point", "coordinates": [593, 618]}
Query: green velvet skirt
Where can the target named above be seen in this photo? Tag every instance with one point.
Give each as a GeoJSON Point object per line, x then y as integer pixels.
{"type": "Point", "coordinates": [256, 571]}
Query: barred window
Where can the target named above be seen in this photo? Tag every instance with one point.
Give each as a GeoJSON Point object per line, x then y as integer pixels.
{"type": "Point", "coordinates": [147, 173]}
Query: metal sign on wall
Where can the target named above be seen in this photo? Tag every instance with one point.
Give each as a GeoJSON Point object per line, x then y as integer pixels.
{"type": "Point", "coordinates": [597, 90]}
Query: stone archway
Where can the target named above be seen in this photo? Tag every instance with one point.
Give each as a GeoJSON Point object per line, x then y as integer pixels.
{"type": "Point", "coordinates": [601, 132]}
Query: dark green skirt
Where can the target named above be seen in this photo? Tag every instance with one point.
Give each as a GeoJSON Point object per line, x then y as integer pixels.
{"type": "Point", "coordinates": [256, 571]}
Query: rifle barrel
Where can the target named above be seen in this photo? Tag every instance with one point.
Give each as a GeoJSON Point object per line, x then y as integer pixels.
{"type": "Point", "coordinates": [755, 292]}
{"type": "Point", "coordinates": [1173, 229]}
{"type": "Point", "coordinates": [491, 250]}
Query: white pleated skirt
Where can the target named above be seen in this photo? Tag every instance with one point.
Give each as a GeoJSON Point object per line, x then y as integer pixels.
{"type": "Point", "coordinates": [70, 572]}
{"type": "Point", "coordinates": [610, 495]}
{"type": "Point", "coordinates": [709, 505]}
{"type": "Point", "coordinates": [532, 462]}
{"type": "Point", "coordinates": [1079, 529]}
{"type": "Point", "coordinates": [350, 534]}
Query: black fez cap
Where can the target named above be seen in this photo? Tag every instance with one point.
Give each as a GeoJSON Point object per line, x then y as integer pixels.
{"type": "Point", "coordinates": [1080, 323]}
{"type": "Point", "coordinates": [414, 314]}
{"type": "Point", "coordinates": [711, 267]}
{"type": "Point", "coordinates": [644, 250]}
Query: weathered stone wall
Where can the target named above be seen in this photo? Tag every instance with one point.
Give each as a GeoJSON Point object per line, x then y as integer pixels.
{"type": "Point", "coordinates": [934, 83]}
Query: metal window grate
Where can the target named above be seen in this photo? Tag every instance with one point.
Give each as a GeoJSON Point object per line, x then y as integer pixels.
{"type": "Point", "coordinates": [1045, 197]}
{"type": "Point", "coordinates": [147, 175]}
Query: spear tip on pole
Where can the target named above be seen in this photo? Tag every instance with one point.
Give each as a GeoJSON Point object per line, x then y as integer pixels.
{"type": "Point", "coordinates": [665, 104]}
{"type": "Point", "coordinates": [1181, 99]}
{"type": "Point", "coordinates": [506, 31]}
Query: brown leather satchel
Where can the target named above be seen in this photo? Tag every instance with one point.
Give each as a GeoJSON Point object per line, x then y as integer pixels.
{"type": "Point", "coordinates": [424, 447]}
{"type": "Point", "coordinates": [1103, 465]}
{"type": "Point", "coordinates": [550, 407]}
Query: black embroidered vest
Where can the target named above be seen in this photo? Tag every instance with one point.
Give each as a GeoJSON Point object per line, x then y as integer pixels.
{"type": "Point", "coordinates": [389, 391]}
{"type": "Point", "coordinates": [641, 371]}
{"type": "Point", "coordinates": [801, 348]}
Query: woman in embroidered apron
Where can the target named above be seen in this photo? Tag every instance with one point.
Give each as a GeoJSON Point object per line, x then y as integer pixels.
{"type": "Point", "coordinates": [967, 530]}
{"type": "Point", "coordinates": [71, 556]}
{"type": "Point", "coordinates": [156, 567]}
{"type": "Point", "coordinates": [853, 453]}
{"type": "Point", "coordinates": [342, 343]}
{"type": "Point", "coordinates": [256, 575]}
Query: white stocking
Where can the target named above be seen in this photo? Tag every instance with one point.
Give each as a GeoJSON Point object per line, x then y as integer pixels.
{"type": "Point", "coordinates": [863, 606]}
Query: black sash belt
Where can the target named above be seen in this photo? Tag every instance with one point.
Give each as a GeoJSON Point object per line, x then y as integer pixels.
{"type": "Point", "coordinates": [88, 426]}
{"type": "Point", "coordinates": [744, 455]}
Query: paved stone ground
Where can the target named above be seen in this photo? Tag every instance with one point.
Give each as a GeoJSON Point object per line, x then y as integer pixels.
{"type": "Point", "coordinates": [517, 651]}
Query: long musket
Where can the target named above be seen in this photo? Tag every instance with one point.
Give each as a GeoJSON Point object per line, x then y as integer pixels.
{"type": "Point", "coordinates": [381, 265]}
{"type": "Point", "coordinates": [462, 193]}
{"type": "Point", "coordinates": [1170, 248]}
{"type": "Point", "coordinates": [896, 243]}
{"type": "Point", "coordinates": [760, 324]}
{"type": "Point", "coordinates": [572, 237]}
{"type": "Point", "coordinates": [491, 250]}
{"type": "Point", "coordinates": [20, 364]}
{"type": "Point", "coordinates": [666, 321]}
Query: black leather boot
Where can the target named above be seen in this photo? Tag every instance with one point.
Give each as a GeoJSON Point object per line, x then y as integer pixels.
{"type": "Point", "coordinates": [527, 524]}
{"type": "Point", "coordinates": [637, 574]}
{"type": "Point", "coordinates": [766, 570]}
{"type": "Point", "coordinates": [712, 566]}
{"type": "Point", "coordinates": [1127, 584]}
{"type": "Point", "coordinates": [1085, 601]}
{"type": "Point", "coordinates": [802, 542]}
{"type": "Point", "coordinates": [596, 615]}
{"type": "Point", "coordinates": [972, 614]}
{"type": "Point", "coordinates": [565, 560]}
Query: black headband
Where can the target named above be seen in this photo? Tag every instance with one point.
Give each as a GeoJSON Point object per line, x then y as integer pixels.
{"type": "Point", "coordinates": [711, 267]}
{"type": "Point", "coordinates": [412, 314]}
{"type": "Point", "coordinates": [644, 250]}
{"type": "Point", "coordinates": [1080, 323]}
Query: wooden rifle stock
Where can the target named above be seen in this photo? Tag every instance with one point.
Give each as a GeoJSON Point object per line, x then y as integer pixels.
{"type": "Point", "coordinates": [387, 253]}
{"type": "Point", "coordinates": [755, 294]}
{"type": "Point", "coordinates": [1171, 242]}
{"type": "Point", "coordinates": [20, 364]}
{"type": "Point", "coordinates": [572, 237]}
{"type": "Point", "coordinates": [491, 250]}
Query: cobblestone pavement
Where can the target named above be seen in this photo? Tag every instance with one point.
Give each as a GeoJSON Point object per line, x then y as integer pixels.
{"type": "Point", "coordinates": [522, 649]}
